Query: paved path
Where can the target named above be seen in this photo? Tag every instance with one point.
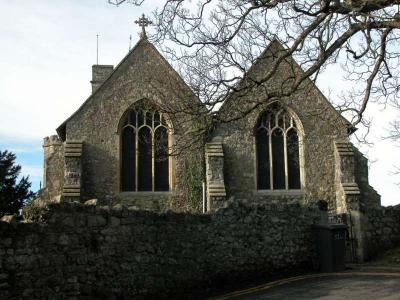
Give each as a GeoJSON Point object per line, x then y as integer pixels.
{"type": "Point", "coordinates": [336, 286]}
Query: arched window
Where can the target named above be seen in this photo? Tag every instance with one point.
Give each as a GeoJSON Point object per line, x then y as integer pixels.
{"type": "Point", "coordinates": [277, 146]}
{"type": "Point", "coordinates": [144, 151]}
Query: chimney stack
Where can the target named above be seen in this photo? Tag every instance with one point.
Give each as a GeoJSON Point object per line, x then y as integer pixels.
{"type": "Point", "coordinates": [99, 74]}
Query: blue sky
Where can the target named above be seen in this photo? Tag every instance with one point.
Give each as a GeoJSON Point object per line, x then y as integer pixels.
{"type": "Point", "coordinates": [47, 49]}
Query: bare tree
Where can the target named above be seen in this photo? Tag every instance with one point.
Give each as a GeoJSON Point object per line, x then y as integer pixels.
{"type": "Point", "coordinates": [394, 135]}
{"type": "Point", "coordinates": [220, 40]}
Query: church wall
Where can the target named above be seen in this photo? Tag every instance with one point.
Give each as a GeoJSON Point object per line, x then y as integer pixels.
{"type": "Point", "coordinates": [369, 197]}
{"type": "Point", "coordinates": [143, 75]}
{"type": "Point", "coordinates": [88, 252]}
{"type": "Point", "coordinates": [240, 162]}
{"type": "Point", "coordinates": [322, 126]}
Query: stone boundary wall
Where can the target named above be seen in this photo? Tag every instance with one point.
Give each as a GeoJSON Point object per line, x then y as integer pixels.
{"type": "Point", "coordinates": [82, 251]}
{"type": "Point", "coordinates": [382, 229]}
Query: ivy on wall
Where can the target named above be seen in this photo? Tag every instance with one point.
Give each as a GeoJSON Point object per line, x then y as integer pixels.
{"type": "Point", "coordinates": [192, 179]}
{"type": "Point", "coordinates": [192, 170]}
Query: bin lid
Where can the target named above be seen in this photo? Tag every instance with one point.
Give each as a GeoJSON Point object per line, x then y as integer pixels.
{"type": "Point", "coordinates": [331, 226]}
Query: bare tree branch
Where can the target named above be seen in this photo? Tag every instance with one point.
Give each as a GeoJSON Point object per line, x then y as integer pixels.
{"type": "Point", "coordinates": [214, 43]}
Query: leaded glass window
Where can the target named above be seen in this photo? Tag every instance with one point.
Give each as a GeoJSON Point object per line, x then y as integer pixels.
{"type": "Point", "coordinates": [144, 151]}
{"type": "Point", "coordinates": [277, 147]}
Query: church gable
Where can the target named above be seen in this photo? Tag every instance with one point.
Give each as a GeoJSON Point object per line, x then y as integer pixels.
{"type": "Point", "coordinates": [126, 126]}
{"type": "Point", "coordinates": [142, 74]}
{"type": "Point", "coordinates": [258, 159]}
{"type": "Point", "coordinates": [255, 90]}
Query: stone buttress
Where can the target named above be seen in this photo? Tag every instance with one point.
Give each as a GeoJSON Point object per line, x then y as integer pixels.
{"type": "Point", "coordinates": [216, 193]}
{"type": "Point", "coordinates": [347, 190]}
{"type": "Point", "coordinates": [72, 171]}
{"type": "Point", "coordinates": [353, 193]}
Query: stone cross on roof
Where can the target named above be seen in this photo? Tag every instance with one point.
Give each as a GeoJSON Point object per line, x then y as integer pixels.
{"type": "Point", "coordinates": [143, 22]}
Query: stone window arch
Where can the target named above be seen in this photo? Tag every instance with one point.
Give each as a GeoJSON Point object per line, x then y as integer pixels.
{"type": "Point", "coordinates": [278, 136]}
{"type": "Point", "coordinates": [145, 139]}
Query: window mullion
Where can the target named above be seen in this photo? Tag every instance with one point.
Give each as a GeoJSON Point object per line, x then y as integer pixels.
{"type": "Point", "coordinates": [169, 143]}
{"type": "Point", "coordinates": [285, 160]}
{"type": "Point", "coordinates": [153, 168]}
{"type": "Point", "coordinates": [136, 159]}
{"type": "Point", "coordinates": [152, 160]}
{"type": "Point", "coordinates": [271, 167]}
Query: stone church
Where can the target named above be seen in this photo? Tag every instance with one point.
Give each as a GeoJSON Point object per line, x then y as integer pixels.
{"type": "Point", "coordinates": [130, 171]}
{"type": "Point", "coordinates": [130, 143]}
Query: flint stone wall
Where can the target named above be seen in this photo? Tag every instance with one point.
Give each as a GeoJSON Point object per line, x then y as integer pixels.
{"type": "Point", "coordinates": [143, 77]}
{"type": "Point", "coordinates": [53, 173]}
{"type": "Point", "coordinates": [322, 125]}
{"type": "Point", "coordinates": [382, 229]}
{"type": "Point", "coordinates": [83, 252]}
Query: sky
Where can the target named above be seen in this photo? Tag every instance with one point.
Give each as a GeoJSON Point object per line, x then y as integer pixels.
{"type": "Point", "coordinates": [47, 49]}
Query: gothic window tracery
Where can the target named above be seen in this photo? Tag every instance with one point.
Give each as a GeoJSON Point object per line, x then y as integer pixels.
{"type": "Point", "coordinates": [144, 151]}
{"type": "Point", "coordinates": [278, 153]}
